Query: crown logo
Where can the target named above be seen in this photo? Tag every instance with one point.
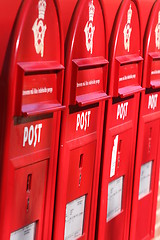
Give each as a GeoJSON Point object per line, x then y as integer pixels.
{"type": "Point", "coordinates": [129, 15]}
{"type": "Point", "coordinates": [41, 8]}
{"type": "Point", "coordinates": [91, 11]}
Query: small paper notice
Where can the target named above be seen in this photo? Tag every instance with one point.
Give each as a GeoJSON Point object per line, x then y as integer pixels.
{"type": "Point", "coordinates": [145, 179]}
{"type": "Point", "coordinates": [114, 204]}
{"type": "Point", "coordinates": [74, 219]}
{"type": "Point", "coordinates": [26, 233]}
{"type": "Point", "coordinates": [114, 157]}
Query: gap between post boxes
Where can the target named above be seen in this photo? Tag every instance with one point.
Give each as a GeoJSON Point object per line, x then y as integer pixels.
{"type": "Point", "coordinates": [125, 70]}
{"type": "Point", "coordinates": [82, 122]}
{"type": "Point", "coordinates": [148, 142]}
{"type": "Point", "coordinates": [31, 104]}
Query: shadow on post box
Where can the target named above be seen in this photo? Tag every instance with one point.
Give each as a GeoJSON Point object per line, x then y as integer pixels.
{"type": "Point", "coordinates": [31, 104]}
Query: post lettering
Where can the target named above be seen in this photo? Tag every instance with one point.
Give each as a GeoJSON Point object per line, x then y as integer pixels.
{"type": "Point", "coordinates": [122, 110]}
{"type": "Point", "coordinates": [152, 102]}
{"type": "Point", "coordinates": [32, 135]}
{"type": "Point", "coordinates": [83, 120]}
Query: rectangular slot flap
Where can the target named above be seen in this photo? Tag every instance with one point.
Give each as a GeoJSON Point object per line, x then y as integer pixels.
{"type": "Point", "coordinates": [40, 67]}
{"type": "Point", "coordinates": [89, 80]}
{"type": "Point", "coordinates": [39, 88]}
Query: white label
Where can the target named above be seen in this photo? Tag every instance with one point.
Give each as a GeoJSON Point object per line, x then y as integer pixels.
{"type": "Point", "coordinates": [122, 110]}
{"type": "Point", "coordinates": [127, 30]}
{"type": "Point", "coordinates": [32, 135]}
{"type": "Point", "coordinates": [74, 219]}
{"type": "Point", "coordinates": [26, 233]}
{"type": "Point", "coordinates": [145, 179]}
{"type": "Point", "coordinates": [89, 28]}
{"type": "Point", "coordinates": [157, 32]}
{"type": "Point", "coordinates": [152, 102]}
{"type": "Point", "coordinates": [114, 157]}
{"type": "Point", "coordinates": [114, 203]}
{"type": "Point", "coordinates": [83, 120]}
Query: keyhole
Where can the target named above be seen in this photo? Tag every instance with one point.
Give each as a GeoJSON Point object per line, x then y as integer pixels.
{"type": "Point", "coordinates": [81, 161]}
{"type": "Point", "coordinates": [29, 179]}
{"type": "Point", "coordinates": [119, 151]}
{"type": "Point", "coordinates": [27, 204]}
{"type": "Point", "coordinates": [80, 168]}
{"type": "Point", "coordinates": [149, 140]}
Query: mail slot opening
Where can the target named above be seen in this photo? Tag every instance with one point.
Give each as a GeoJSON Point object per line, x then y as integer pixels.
{"type": "Point", "coordinates": [88, 81]}
{"type": "Point", "coordinates": [39, 88]}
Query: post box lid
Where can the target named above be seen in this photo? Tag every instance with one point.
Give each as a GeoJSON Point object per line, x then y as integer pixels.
{"type": "Point", "coordinates": [86, 51]}
{"type": "Point", "coordinates": [151, 72]}
{"type": "Point", "coordinates": [125, 52]}
{"type": "Point", "coordinates": [34, 60]}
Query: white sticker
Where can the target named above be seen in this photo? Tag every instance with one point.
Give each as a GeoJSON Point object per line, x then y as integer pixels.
{"type": "Point", "coordinates": [114, 157]}
{"type": "Point", "coordinates": [145, 179]}
{"type": "Point", "coordinates": [114, 204]}
{"type": "Point", "coordinates": [74, 219]}
{"type": "Point", "coordinates": [26, 233]}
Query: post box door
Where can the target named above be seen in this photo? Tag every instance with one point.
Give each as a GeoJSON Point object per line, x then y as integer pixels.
{"type": "Point", "coordinates": [80, 177]}
{"type": "Point", "coordinates": [147, 183]}
{"type": "Point", "coordinates": [29, 194]}
{"type": "Point", "coordinates": [118, 185]}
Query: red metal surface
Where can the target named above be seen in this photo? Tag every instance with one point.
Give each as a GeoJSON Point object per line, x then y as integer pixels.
{"type": "Point", "coordinates": [31, 84]}
{"type": "Point", "coordinates": [148, 142]}
{"type": "Point", "coordinates": [125, 71]}
{"type": "Point", "coordinates": [82, 122]}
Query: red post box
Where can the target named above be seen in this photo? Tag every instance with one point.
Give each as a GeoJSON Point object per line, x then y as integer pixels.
{"type": "Point", "coordinates": [148, 142]}
{"type": "Point", "coordinates": [120, 124]}
{"type": "Point", "coordinates": [82, 123]}
{"type": "Point", "coordinates": [30, 95]}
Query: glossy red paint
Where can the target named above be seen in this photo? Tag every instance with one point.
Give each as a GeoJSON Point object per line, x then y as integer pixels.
{"type": "Point", "coordinates": [148, 143]}
{"type": "Point", "coordinates": [82, 121]}
{"type": "Point", "coordinates": [120, 129]}
{"type": "Point", "coordinates": [31, 104]}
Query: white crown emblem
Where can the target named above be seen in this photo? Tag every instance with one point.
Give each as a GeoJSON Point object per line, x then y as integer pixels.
{"type": "Point", "coordinates": [42, 9]}
{"type": "Point", "coordinates": [129, 15]}
{"type": "Point", "coordinates": [91, 11]}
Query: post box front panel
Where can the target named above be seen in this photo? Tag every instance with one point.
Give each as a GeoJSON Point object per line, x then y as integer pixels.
{"type": "Point", "coordinates": [152, 49]}
{"type": "Point", "coordinates": [129, 32]}
{"type": "Point", "coordinates": [147, 184]}
{"type": "Point", "coordinates": [126, 61]}
{"type": "Point", "coordinates": [82, 123]}
{"type": "Point", "coordinates": [29, 194]}
{"type": "Point", "coordinates": [30, 136]}
{"type": "Point", "coordinates": [88, 70]}
{"type": "Point", "coordinates": [38, 33]}
{"type": "Point", "coordinates": [79, 190]}
{"type": "Point", "coordinates": [119, 187]}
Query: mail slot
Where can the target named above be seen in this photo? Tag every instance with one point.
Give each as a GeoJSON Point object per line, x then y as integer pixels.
{"type": "Point", "coordinates": [31, 96]}
{"type": "Point", "coordinates": [82, 121]}
{"type": "Point", "coordinates": [125, 70]}
{"type": "Point", "coordinates": [147, 153]}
